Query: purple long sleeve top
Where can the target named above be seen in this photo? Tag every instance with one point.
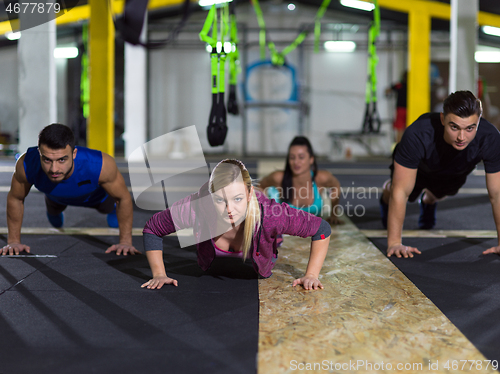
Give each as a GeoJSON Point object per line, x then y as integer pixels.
{"type": "Point", "coordinates": [276, 219]}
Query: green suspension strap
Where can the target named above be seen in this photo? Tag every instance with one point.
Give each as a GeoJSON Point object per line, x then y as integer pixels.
{"type": "Point", "coordinates": [232, 103]}
{"type": "Point", "coordinates": [222, 63]}
{"type": "Point", "coordinates": [84, 77]}
{"type": "Point", "coordinates": [278, 58]}
{"type": "Point", "coordinates": [372, 120]}
{"type": "Point", "coordinates": [217, 128]}
{"type": "Point", "coordinates": [317, 23]}
{"type": "Point", "coordinates": [262, 26]}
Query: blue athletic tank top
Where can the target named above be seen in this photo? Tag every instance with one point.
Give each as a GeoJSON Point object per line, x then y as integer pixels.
{"type": "Point", "coordinates": [80, 189]}
{"type": "Point", "coordinates": [315, 208]}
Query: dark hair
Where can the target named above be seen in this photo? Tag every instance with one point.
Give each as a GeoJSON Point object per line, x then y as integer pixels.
{"type": "Point", "coordinates": [56, 136]}
{"type": "Point", "coordinates": [463, 104]}
{"type": "Point", "coordinates": [286, 184]}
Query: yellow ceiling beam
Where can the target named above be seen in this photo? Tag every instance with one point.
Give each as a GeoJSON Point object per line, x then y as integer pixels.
{"type": "Point", "coordinates": [435, 10]}
{"type": "Point", "coordinates": [82, 13]}
{"type": "Point", "coordinates": [158, 4]}
{"type": "Point", "coordinates": [432, 8]}
{"type": "Point", "coordinates": [488, 19]}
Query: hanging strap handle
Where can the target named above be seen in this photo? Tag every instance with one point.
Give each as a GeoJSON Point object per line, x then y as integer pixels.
{"type": "Point", "coordinates": [278, 58]}
{"type": "Point", "coordinates": [373, 33]}
{"type": "Point", "coordinates": [234, 55]}
{"type": "Point", "coordinates": [317, 23]}
{"type": "Point", "coordinates": [84, 79]}
{"type": "Point", "coordinates": [371, 113]}
{"type": "Point", "coordinates": [234, 68]}
{"type": "Point", "coordinates": [224, 29]}
{"type": "Point", "coordinates": [210, 22]}
{"type": "Point", "coordinates": [262, 26]}
{"type": "Point", "coordinates": [217, 128]}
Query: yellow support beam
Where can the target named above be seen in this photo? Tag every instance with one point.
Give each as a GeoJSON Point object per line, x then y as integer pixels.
{"type": "Point", "coordinates": [100, 126]}
{"type": "Point", "coordinates": [419, 58]}
{"type": "Point", "coordinates": [419, 50]}
{"type": "Point", "coordinates": [432, 8]}
{"type": "Point", "coordinates": [488, 19]}
{"type": "Point", "coordinates": [82, 13]}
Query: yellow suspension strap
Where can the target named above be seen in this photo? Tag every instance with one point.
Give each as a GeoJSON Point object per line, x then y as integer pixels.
{"type": "Point", "coordinates": [234, 67]}
{"type": "Point", "coordinates": [372, 122]}
{"type": "Point", "coordinates": [217, 128]}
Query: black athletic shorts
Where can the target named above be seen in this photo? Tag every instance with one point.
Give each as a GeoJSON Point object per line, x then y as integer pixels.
{"type": "Point", "coordinates": [439, 188]}
{"type": "Point", "coordinates": [104, 207]}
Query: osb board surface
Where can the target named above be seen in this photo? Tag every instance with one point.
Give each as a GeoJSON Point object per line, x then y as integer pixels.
{"type": "Point", "coordinates": [369, 318]}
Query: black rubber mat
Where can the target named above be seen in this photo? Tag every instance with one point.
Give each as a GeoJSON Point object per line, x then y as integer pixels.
{"type": "Point", "coordinates": [84, 312]}
{"type": "Point", "coordinates": [462, 282]}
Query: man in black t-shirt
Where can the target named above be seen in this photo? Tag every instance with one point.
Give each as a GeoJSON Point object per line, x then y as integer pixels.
{"type": "Point", "coordinates": [432, 161]}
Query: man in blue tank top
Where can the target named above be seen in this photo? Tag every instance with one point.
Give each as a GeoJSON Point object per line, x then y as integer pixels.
{"type": "Point", "coordinates": [69, 175]}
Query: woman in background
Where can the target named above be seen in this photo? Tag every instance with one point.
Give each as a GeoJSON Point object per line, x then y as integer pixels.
{"type": "Point", "coordinates": [300, 184]}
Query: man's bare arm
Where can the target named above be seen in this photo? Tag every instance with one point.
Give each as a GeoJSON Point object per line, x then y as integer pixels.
{"type": "Point", "coordinates": [493, 186]}
{"type": "Point", "coordinates": [19, 189]}
{"type": "Point", "coordinates": [113, 183]}
{"type": "Point", "coordinates": [403, 181]}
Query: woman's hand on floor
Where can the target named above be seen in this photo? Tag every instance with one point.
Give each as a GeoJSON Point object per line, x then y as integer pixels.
{"type": "Point", "coordinates": [158, 282]}
{"type": "Point", "coordinates": [309, 282]}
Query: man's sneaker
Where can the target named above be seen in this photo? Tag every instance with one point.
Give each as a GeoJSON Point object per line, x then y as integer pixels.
{"type": "Point", "coordinates": [56, 220]}
{"type": "Point", "coordinates": [112, 219]}
{"type": "Point", "coordinates": [427, 219]}
{"type": "Point", "coordinates": [384, 212]}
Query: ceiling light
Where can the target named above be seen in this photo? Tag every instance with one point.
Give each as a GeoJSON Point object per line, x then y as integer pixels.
{"type": "Point", "coordinates": [487, 56]}
{"type": "Point", "coordinates": [357, 4]}
{"type": "Point", "coordinates": [205, 3]}
{"type": "Point", "coordinates": [66, 52]}
{"type": "Point", "coordinates": [291, 6]}
{"type": "Point", "coordinates": [490, 30]}
{"type": "Point", "coordinates": [340, 46]}
{"type": "Point", "coordinates": [13, 35]}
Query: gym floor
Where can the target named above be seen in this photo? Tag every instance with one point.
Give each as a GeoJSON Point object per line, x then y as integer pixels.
{"type": "Point", "coordinates": [69, 307]}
